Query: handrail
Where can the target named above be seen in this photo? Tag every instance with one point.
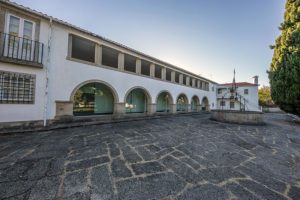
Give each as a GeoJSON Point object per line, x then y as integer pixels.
{"type": "Point", "coordinates": [21, 49]}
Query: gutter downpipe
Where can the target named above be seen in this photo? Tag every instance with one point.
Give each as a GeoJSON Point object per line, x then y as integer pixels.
{"type": "Point", "coordinates": [47, 73]}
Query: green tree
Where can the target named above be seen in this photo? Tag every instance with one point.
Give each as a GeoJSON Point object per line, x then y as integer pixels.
{"type": "Point", "coordinates": [284, 72]}
{"type": "Point", "coordinates": [264, 96]}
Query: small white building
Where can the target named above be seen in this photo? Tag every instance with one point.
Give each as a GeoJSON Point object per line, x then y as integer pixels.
{"type": "Point", "coordinates": [244, 98]}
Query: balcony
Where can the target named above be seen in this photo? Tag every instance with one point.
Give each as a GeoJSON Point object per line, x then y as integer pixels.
{"type": "Point", "coordinates": [22, 51]}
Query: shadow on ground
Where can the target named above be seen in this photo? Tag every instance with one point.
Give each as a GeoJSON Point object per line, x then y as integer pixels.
{"type": "Point", "coordinates": [180, 157]}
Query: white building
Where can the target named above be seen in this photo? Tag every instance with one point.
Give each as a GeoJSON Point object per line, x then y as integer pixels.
{"type": "Point", "coordinates": [50, 69]}
{"type": "Point", "coordinates": [245, 98]}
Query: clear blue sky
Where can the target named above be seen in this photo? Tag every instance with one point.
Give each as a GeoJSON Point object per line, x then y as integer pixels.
{"type": "Point", "coordinates": [207, 37]}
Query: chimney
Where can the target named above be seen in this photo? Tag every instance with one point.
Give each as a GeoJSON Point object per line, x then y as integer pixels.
{"type": "Point", "coordinates": [255, 80]}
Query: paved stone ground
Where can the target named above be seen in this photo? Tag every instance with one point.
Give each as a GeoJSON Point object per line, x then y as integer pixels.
{"type": "Point", "coordinates": [180, 157]}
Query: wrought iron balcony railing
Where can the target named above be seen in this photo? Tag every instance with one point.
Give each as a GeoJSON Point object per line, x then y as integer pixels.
{"type": "Point", "coordinates": [21, 50]}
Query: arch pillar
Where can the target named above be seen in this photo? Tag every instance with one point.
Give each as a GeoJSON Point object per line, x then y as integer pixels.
{"type": "Point", "coordinates": [64, 110]}
{"type": "Point", "coordinates": [119, 110]}
{"type": "Point", "coordinates": [189, 107]}
{"type": "Point", "coordinates": [205, 104]}
{"type": "Point", "coordinates": [173, 108]}
{"type": "Point", "coordinates": [199, 107]}
{"type": "Point", "coordinates": [151, 109]}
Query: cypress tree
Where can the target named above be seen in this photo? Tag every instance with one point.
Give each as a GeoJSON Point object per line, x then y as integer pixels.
{"type": "Point", "coordinates": [284, 73]}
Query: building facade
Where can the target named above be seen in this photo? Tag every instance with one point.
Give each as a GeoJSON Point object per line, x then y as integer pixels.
{"type": "Point", "coordinates": [52, 70]}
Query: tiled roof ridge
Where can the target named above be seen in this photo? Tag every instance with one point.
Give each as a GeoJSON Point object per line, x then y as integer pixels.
{"type": "Point", "coordinates": [238, 83]}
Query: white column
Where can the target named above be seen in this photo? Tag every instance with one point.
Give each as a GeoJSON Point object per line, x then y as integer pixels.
{"type": "Point", "coordinates": [119, 110]}
{"type": "Point", "coordinates": [138, 66]}
{"type": "Point", "coordinates": [163, 73]}
{"type": "Point", "coordinates": [181, 78]}
{"type": "Point", "coordinates": [187, 81]}
{"type": "Point", "coordinates": [151, 109]}
{"type": "Point", "coordinates": [198, 84]}
{"type": "Point", "coordinates": [173, 76]}
{"type": "Point", "coordinates": [193, 82]}
{"type": "Point", "coordinates": [152, 70]}
{"type": "Point", "coordinates": [121, 61]}
{"type": "Point", "coordinates": [98, 54]}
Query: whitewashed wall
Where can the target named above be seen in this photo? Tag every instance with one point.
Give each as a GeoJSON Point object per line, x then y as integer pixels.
{"type": "Point", "coordinates": [65, 76]}
{"type": "Point", "coordinates": [251, 99]}
{"type": "Point", "coordinates": [27, 112]}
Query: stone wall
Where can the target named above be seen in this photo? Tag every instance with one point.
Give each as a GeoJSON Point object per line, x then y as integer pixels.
{"type": "Point", "coordinates": [238, 117]}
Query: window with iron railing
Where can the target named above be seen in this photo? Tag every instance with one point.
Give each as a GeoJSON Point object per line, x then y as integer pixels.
{"type": "Point", "coordinates": [20, 49]}
{"type": "Point", "coordinates": [16, 88]}
{"type": "Point", "coordinates": [17, 43]}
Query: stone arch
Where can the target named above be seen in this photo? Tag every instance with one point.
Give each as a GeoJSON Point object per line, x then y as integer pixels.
{"type": "Point", "coordinates": [205, 104]}
{"type": "Point", "coordinates": [93, 97]}
{"type": "Point", "coordinates": [137, 100]}
{"type": "Point", "coordinates": [195, 103]}
{"type": "Point", "coordinates": [164, 101]}
{"type": "Point", "coordinates": [182, 103]}
{"type": "Point", "coordinates": [116, 97]}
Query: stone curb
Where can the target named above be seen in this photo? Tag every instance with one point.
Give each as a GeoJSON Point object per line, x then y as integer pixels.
{"type": "Point", "coordinates": [64, 125]}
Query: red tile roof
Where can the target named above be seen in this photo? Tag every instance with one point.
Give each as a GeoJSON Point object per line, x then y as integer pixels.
{"type": "Point", "coordinates": [239, 84]}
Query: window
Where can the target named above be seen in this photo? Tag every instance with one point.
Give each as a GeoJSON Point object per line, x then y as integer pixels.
{"type": "Point", "coordinates": [21, 27]}
{"type": "Point", "coordinates": [83, 49]}
{"type": "Point", "coordinates": [168, 74]}
{"type": "Point", "coordinates": [17, 88]}
{"type": "Point", "coordinates": [191, 81]}
{"type": "Point", "coordinates": [222, 103]}
{"type": "Point", "coordinates": [110, 57]}
{"type": "Point", "coordinates": [14, 26]}
{"type": "Point", "coordinates": [176, 77]}
{"type": "Point", "coordinates": [246, 91]}
{"type": "Point", "coordinates": [145, 68]}
{"type": "Point", "coordinates": [219, 91]}
{"type": "Point", "coordinates": [19, 43]}
{"type": "Point", "coordinates": [129, 63]}
{"type": "Point", "coordinates": [213, 88]}
{"type": "Point", "coordinates": [184, 80]}
{"type": "Point", "coordinates": [157, 72]}
{"type": "Point", "coordinates": [231, 104]}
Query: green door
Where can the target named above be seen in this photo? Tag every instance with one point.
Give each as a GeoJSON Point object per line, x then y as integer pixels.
{"type": "Point", "coordinates": [181, 104]}
{"type": "Point", "coordinates": [194, 104]}
{"type": "Point", "coordinates": [136, 101]}
{"type": "Point", "coordinates": [163, 102]}
{"type": "Point", "coordinates": [103, 100]}
{"type": "Point", "coordinates": [93, 99]}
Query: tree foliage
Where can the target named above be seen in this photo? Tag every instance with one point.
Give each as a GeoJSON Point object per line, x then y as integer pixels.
{"type": "Point", "coordinates": [284, 72]}
{"type": "Point", "coordinates": [264, 95]}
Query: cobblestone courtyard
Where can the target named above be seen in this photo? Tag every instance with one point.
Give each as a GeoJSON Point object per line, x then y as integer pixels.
{"type": "Point", "coordinates": [180, 157]}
